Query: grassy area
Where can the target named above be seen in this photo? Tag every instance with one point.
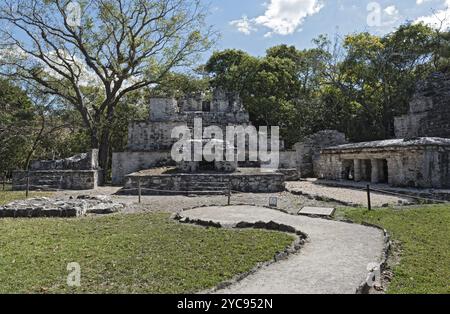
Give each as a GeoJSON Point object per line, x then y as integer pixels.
{"type": "Point", "coordinates": [142, 253]}
{"type": "Point", "coordinates": [423, 238]}
{"type": "Point", "coordinates": [9, 196]}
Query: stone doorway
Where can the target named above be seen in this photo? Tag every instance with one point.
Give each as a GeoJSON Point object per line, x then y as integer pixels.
{"type": "Point", "coordinates": [348, 170]}
{"type": "Point", "coordinates": [384, 171]}
{"type": "Point", "coordinates": [206, 106]}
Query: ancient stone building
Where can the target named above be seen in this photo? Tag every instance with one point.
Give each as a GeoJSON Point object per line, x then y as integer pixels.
{"type": "Point", "coordinates": [420, 157]}
{"type": "Point", "coordinates": [429, 114]}
{"type": "Point", "coordinates": [148, 163]}
{"type": "Point", "coordinates": [421, 162]}
{"type": "Point", "coordinates": [150, 142]}
{"type": "Point", "coordinates": [80, 172]}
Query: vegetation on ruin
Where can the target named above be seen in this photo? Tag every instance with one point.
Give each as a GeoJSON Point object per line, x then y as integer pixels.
{"type": "Point", "coordinates": [420, 257]}
{"type": "Point", "coordinates": [139, 253]}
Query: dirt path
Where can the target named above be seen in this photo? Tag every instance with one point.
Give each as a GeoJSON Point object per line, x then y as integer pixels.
{"type": "Point", "coordinates": [334, 260]}
{"type": "Point", "coordinates": [344, 194]}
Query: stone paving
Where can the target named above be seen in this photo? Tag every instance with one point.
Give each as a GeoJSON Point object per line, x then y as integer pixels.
{"type": "Point", "coordinates": [333, 261]}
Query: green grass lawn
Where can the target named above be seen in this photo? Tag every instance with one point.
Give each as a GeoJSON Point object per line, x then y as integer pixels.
{"type": "Point", "coordinates": [423, 239]}
{"type": "Point", "coordinates": [140, 253]}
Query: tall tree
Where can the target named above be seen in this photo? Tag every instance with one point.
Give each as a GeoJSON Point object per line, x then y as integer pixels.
{"type": "Point", "coordinates": [114, 46]}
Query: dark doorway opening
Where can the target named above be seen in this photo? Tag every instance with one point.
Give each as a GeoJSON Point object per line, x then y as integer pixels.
{"type": "Point", "coordinates": [206, 106]}
{"type": "Point", "coordinates": [385, 172]}
{"type": "Point", "coordinates": [349, 170]}
{"type": "Point", "coordinates": [207, 166]}
{"type": "Point", "coordinates": [367, 170]}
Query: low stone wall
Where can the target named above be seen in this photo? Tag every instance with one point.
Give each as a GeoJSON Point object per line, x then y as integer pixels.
{"type": "Point", "coordinates": [57, 179]}
{"type": "Point", "coordinates": [184, 183]}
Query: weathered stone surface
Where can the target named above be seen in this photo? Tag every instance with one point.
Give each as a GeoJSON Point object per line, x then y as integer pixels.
{"type": "Point", "coordinates": [429, 113]}
{"type": "Point", "coordinates": [80, 172]}
{"type": "Point", "coordinates": [130, 162]}
{"type": "Point", "coordinates": [48, 207]}
{"type": "Point", "coordinates": [421, 163]}
{"type": "Point", "coordinates": [150, 142]}
{"type": "Point", "coordinates": [57, 179]}
{"type": "Point", "coordinates": [248, 180]}
{"type": "Point", "coordinates": [317, 211]}
{"type": "Point", "coordinates": [85, 161]}
{"type": "Point", "coordinates": [308, 151]}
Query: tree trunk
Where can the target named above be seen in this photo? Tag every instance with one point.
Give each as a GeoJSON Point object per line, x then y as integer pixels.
{"type": "Point", "coordinates": [105, 142]}
{"type": "Point", "coordinates": [103, 154]}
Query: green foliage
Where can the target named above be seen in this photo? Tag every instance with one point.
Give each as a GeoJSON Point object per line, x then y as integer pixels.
{"type": "Point", "coordinates": [16, 114]}
{"type": "Point", "coordinates": [357, 87]}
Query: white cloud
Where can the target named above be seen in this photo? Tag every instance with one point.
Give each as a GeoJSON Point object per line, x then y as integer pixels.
{"type": "Point", "coordinates": [392, 10]}
{"type": "Point", "coordinates": [282, 17]}
{"type": "Point", "coordinates": [438, 19]}
{"type": "Point", "coordinates": [419, 2]}
{"type": "Point", "coordinates": [244, 25]}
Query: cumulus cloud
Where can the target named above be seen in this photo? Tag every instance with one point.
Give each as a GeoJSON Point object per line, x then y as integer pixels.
{"type": "Point", "coordinates": [282, 17]}
{"type": "Point", "coordinates": [244, 25]}
{"type": "Point", "coordinates": [392, 10]}
{"type": "Point", "coordinates": [438, 19]}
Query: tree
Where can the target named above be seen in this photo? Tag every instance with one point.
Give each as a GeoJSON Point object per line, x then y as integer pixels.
{"type": "Point", "coordinates": [16, 114]}
{"type": "Point", "coordinates": [378, 77]}
{"type": "Point", "coordinates": [117, 48]}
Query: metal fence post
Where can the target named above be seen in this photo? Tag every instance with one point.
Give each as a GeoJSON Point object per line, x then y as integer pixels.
{"type": "Point", "coordinates": [369, 203]}
{"type": "Point", "coordinates": [229, 193]}
{"type": "Point", "coordinates": [139, 190]}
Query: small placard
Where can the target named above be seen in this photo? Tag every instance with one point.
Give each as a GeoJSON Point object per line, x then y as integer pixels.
{"type": "Point", "coordinates": [273, 201]}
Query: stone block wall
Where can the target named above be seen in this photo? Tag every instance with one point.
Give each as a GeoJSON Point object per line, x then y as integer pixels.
{"type": "Point", "coordinates": [288, 159]}
{"type": "Point", "coordinates": [256, 183]}
{"type": "Point", "coordinates": [80, 172]}
{"type": "Point", "coordinates": [308, 151]}
{"type": "Point", "coordinates": [57, 179]}
{"type": "Point", "coordinates": [85, 161]}
{"type": "Point", "coordinates": [155, 136]}
{"type": "Point", "coordinates": [419, 167]}
{"type": "Point", "coordinates": [429, 113]}
{"type": "Point", "coordinates": [130, 162]}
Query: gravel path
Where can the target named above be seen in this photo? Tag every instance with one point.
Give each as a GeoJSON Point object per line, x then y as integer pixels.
{"type": "Point", "coordinates": [343, 194]}
{"type": "Point", "coordinates": [175, 203]}
{"type": "Point", "coordinates": [334, 260]}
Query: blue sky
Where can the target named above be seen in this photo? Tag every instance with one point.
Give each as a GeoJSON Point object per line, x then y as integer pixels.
{"type": "Point", "coordinates": [255, 25]}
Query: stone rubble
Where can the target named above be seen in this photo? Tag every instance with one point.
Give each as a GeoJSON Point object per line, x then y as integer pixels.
{"type": "Point", "coordinates": [47, 207]}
